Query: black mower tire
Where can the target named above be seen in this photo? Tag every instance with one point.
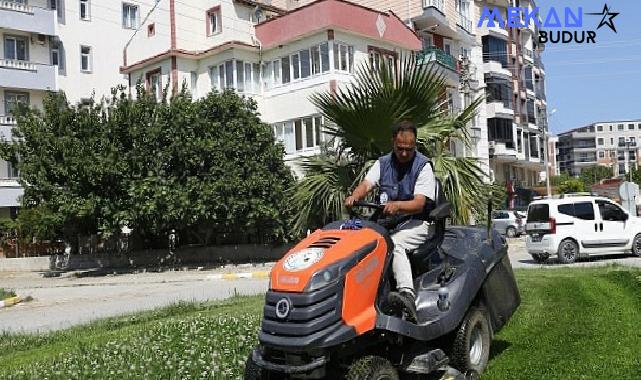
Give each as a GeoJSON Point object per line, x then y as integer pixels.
{"type": "Point", "coordinates": [372, 368]}
{"type": "Point", "coordinates": [636, 245]}
{"type": "Point", "coordinates": [568, 251]}
{"type": "Point", "coordinates": [253, 371]}
{"type": "Point", "coordinates": [476, 319]}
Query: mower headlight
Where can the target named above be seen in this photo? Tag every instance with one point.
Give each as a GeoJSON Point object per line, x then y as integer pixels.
{"type": "Point", "coordinates": [333, 273]}
{"type": "Point", "coordinates": [330, 275]}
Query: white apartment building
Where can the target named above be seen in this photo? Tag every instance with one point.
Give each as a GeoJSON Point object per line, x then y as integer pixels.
{"type": "Point", "coordinates": [279, 61]}
{"type": "Point", "coordinates": [51, 45]}
{"type": "Point", "coordinates": [608, 143]}
{"type": "Point", "coordinates": [279, 52]}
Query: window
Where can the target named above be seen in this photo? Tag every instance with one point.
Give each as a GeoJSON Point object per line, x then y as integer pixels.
{"type": "Point", "coordinates": [295, 66]}
{"type": "Point", "coordinates": [531, 117]}
{"type": "Point", "coordinates": [621, 141]}
{"type": "Point", "coordinates": [600, 141]}
{"type": "Point", "coordinates": [302, 133]}
{"type": "Point", "coordinates": [494, 49]}
{"type": "Point", "coordinates": [343, 57]}
{"type": "Point", "coordinates": [276, 72]}
{"type": "Point", "coordinates": [256, 77]}
{"type": "Point", "coordinates": [324, 52]}
{"type": "Point", "coordinates": [284, 66]}
{"type": "Point", "coordinates": [85, 10]}
{"type": "Point", "coordinates": [584, 210]}
{"type": "Point", "coordinates": [129, 16]}
{"type": "Point", "coordinates": [620, 126]}
{"type": "Point", "coordinates": [16, 48]}
{"type": "Point", "coordinates": [538, 213]}
{"type": "Point", "coordinates": [601, 154]}
{"type": "Point", "coordinates": [151, 30]}
{"type": "Point", "coordinates": [154, 83]}
{"type": "Point", "coordinates": [610, 211]}
{"type": "Point", "coordinates": [631, 126]}
{"type": "Point", "coordinates": [193, 76]}
{"type": "Point", "coordinates": [613, 153]}
{"type": "Point", "coordinates": [529, 84]}
{"type": "Point", "coordinates": [611, 140]}
{"type": "Point", "coordinates": [316, 60]}
{"type": "Point", "coordinates": [12, 170]}
{"type": "Point", "coordinates": [85, 59]}
{"type": "Point", "coordinates": [519, 140]}
{"type": "Point", "coordinates": [55, 55]}
{"type": "Point", "coordinates": [240, 76]}
{"type": "Point", "coordinates": [214, 21]}
{"type": "Point", "coordinates": [53, 4]}
{"type": "Point", "coordinates": [499, 90]}
{"type": "Point", "coordinates": [534, 152]}
{"type": "Point", "coordinates": [12, 99]}
{"type": "Point", "coordinates": [213, 78]}
{"type": "Point", "coordinates": [610, 128]}
{"type": "Point", "coordinates": [229, 74]}
{"type": "Point", "coordinates": [500, 130]}
{"type": "Point", "coordinates": [305, 66]}
{"type": "Point", "coordinates": [599, 128]}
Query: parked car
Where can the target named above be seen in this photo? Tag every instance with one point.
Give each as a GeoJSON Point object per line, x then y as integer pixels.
{"type": "Point", "coordinates": [508, 222]}
{"type": "Point", "coordinates": [576, 227]}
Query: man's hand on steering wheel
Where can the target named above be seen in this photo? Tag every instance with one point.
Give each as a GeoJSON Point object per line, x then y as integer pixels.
{"type": "Point", "coordinates": [349, 201]}
{"type": "Point", "coordinates": [392, 208]}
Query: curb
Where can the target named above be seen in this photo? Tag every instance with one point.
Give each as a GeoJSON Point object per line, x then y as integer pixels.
{"type": "Point", "coordinates": [10, 301]}
{"type": "Point", "coordinates": [233, 276]}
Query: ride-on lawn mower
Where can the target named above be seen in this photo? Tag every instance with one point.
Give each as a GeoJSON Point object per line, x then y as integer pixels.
{"type": "Point", "coordinates": [327, 314]}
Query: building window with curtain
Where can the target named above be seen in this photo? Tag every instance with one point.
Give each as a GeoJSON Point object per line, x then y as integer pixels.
{"type": "Point", "coordinates": [494, 49]}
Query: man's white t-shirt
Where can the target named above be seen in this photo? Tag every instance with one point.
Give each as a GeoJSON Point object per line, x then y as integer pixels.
{"type": "Point", "coordinates": [425, 183]}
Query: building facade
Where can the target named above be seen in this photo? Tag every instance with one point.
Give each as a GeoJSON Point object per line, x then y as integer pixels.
{"type": "Point", "coordinates": [73, 46]}
{"type": "Point", "coordinates": [609, 143]}
{"type": "Point", "coordinates": [280, 52]}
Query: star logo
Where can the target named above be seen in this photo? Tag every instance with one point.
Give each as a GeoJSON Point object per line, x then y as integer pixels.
{"type": "Point", "coordinates": [607, 18]}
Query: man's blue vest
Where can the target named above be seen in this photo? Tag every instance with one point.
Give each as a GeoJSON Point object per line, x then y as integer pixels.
{"type": "Point", "coordinates": [398, 182]}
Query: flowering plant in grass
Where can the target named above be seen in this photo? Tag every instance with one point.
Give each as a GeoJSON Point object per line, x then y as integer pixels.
{"type": "Point", "coordinates": [197, 347]}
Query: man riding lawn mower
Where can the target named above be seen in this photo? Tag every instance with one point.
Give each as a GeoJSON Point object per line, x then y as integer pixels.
{"type": "Point", "coordinates": [400, 292]}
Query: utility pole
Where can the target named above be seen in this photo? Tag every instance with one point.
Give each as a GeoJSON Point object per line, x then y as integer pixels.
{"type": "Point", "coordinates": [545, 153]}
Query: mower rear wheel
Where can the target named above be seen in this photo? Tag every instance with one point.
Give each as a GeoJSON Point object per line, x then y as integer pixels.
{"type": "Point", "coordinates": [471, 346]}
{"type": "Point", "coordinates": [372, 368]}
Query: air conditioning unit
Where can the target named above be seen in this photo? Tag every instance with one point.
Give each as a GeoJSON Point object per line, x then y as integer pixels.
{"type": "Point", "coordinates": [41, 39]}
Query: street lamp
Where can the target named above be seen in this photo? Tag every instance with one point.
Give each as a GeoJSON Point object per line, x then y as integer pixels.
{"type": "Point", "coordinates": [544, 130]}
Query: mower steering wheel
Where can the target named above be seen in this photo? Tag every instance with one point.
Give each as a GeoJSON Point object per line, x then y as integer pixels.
{"type": "Point", "coordinates": [373, 205]}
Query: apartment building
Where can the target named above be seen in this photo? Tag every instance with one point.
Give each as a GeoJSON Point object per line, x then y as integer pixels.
{"type": "Point", "coordinates": [51, 45]}
{"type": "Point", "coordinates": [277, 57]}
{"type": "Point", "coordinates": [609, 143]}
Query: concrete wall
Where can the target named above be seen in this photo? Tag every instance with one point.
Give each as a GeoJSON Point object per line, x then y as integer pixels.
{"type": "Point", "coordinates": [184, 256]}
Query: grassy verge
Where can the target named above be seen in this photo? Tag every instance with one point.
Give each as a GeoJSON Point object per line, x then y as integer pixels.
{"type": "Point", "coordinates": [6, 294]}
{"type": "Point", "coordinates": [572, 324]}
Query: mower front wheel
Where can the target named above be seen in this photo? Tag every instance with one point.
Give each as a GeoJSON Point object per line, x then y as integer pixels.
{"type": "Point", "coordinates": [253, 371]}
{"type": "Point", "coordinates": [471, 346]}
{"type": "Point", "coordinates": [371, 368]}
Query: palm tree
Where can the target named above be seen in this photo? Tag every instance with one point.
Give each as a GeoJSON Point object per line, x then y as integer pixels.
{"type": "Point", "coordinates": [359, 119]}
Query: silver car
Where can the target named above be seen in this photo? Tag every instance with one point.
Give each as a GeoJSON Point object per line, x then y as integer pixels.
{"type": "Point", "coordinates": [508, 222]}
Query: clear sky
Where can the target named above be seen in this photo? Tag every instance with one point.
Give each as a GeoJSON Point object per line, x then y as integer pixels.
{"type": "Point", "coordinates": [595, 82]}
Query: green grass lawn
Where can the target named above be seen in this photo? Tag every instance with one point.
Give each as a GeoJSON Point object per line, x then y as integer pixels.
{"type": "Point", "coordinates": [572, 324]}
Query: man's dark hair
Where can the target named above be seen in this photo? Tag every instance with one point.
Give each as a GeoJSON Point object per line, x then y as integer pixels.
{"type": "Point", "coordinates": [404, 126]}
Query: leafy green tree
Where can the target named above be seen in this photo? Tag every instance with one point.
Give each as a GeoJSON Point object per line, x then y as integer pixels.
{"type": "Point", "coordinates": [208, 167]}
{"type": "Point", "coordinates": [593, 174]}
{"type": "Point", "coordinates": [574, 185]}
{"type": "Point", "coordinates": [556, 180]}
{"type": "Point", "coordinates": [359, 119]}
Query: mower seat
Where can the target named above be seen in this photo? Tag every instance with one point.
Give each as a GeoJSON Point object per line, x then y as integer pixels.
{"type": "Point", "coordinates": [426, 255]}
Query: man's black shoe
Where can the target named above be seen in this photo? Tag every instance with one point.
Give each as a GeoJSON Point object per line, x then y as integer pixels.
{"type": "Point", "coordinates": [405, 300]}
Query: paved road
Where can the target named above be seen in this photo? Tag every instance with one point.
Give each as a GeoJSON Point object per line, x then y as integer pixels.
{"type": "Point", "coordinates": [60, 303]}
{"type": "Point", "coordinates": [63, 302]}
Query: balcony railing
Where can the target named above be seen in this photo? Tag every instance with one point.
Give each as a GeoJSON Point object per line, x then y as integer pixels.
{"type": "Point", "coordinates": [438, 55]}
{"type": "Point", "coordinates": [465, 22]}
{"type": "Point", "coordinates": [7, 120]}
{"type": "Point", "coordinates": [438, 4]}
{"type": "Point", "coordinates": [15, 6]}
{"type": "Point", "coordinates": [18, 64]}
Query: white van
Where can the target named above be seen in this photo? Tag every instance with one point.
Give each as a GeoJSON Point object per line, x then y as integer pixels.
{"type": "Point", "coordinates": [576, 227]}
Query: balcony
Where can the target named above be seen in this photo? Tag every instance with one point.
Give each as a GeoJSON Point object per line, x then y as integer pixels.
{"type": "Point", "coordinates": [502, 151]}
{"type": "Point", "coordinates": [27, 75]}
{"type": "Point", "coordinates": [7, 121]}
{"type": "Point", "coordinates": [438, 55]}
{"type": "Point", "coordinates": [434, 18]}
{"type": "Point", "coordinates": [465, 23]}
{"type": "Point", "coordinates": [498, 108]}
{"type": "Point", "coordinates": [27, 18]}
